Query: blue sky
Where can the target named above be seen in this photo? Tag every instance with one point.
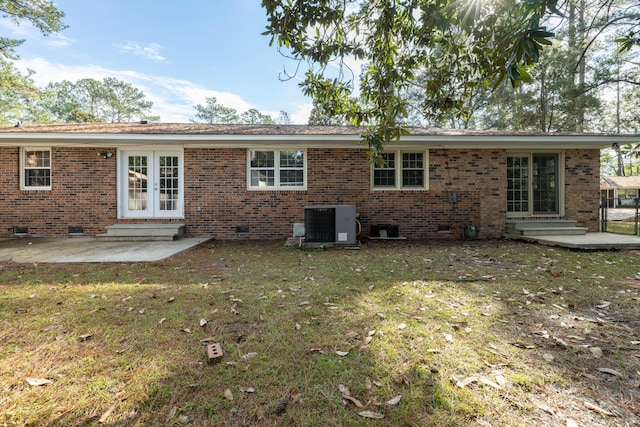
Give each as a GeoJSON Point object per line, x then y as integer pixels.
{"type": "Point", "coordinates": [178, 53]}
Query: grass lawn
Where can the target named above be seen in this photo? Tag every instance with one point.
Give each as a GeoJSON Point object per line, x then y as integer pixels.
{"type": "Point", "coordinates": [482, 333]}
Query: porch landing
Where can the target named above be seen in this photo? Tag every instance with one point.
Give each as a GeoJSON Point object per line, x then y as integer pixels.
{"type": "Point", "coordinates": [587, 241]}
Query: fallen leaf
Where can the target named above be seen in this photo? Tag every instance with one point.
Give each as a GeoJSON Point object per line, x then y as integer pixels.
{"type": "Point", "coordinates": [465, 382]}
{"type": "Point", "coordinates": [603, 304]}
{"type": "Point", "coordinates": [599, 409]}
{"type": "Point", "coordinates": [342, 353]}
{"type": "Point", "coordinates": [171, 299]}
{"type": "Point", "coordinates": [490, 383]}
{"type": "Point", "coordinates": [186, 330]}
{"type": "Point", "coordinates": [249, 355]}
{"type": "Point", "coordinates": [344, 389]}
{"type": "Point", "coordinates": [548, 357]}
{"type": "Point", "coordinates": [609, 371]}
{"type": "Point", "coordinates": [203, 322]}
{"type": "Point", "coordinates": [36, 382]}
{"type": "Point", "coordinates": [395, 400]}
{"type": "Point", "coordinates": [162, 320]}
{"type": "Point", "coordinates": [51, 328]}
{"type": "Point", "coordinates": [353, 400]}
{"type": "Point", "coordinates": [448, 337]}
{"type": "Point", "coordinates": [85, 337]}
{"type": "Point", "coordinates": [248, 390]}
{"type": "Point", "coordinates": [596, 352]}
{"type": "Point", "coordinates": [228, 394]}
{"type": "Point", "coordinates": [402, 326]}
{"type": "Point", "coordinates": [371, 414]}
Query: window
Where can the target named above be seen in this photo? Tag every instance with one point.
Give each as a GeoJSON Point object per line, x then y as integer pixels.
{"type": "Point", "coordinates": [36, 166]}
{"type": "Point", "coordinates": [276, 169]}
{"type": "Point", "coordinates": [402, 170]}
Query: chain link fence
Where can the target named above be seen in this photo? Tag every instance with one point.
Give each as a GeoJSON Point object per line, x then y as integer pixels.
{"type": "Point", "coordinates": [622, 220]}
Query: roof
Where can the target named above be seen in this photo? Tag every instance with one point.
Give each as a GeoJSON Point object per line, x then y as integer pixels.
{"type": "Point", "coordinates": [234, 135]}
{"type": "Point", "coordinates": [620, 182]}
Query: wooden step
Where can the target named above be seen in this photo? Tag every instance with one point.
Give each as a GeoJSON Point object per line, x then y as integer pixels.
{"type": "Point", "coordinates": [143, 232]}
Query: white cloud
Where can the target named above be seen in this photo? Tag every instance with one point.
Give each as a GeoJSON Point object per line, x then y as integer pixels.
{"type": "Point", "coordinates": [173, 99]}
{"type": "Point", "coordinates": [150, 51]}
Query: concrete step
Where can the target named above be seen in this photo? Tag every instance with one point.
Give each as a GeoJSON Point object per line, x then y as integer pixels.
{"type": "Point", "coordinates": [554, 231]}
{"type": "Point", "coordinates": [143, 232]}
{"type": "Point", "coordinates": [551, 227]}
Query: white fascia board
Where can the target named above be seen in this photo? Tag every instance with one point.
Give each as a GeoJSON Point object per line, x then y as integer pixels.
{"type": "Point", "coordinates": [506, 142]}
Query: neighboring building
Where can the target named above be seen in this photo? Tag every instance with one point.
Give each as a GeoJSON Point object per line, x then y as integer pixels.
{"type": "Point", "coordinates": [620, 191]}
{"type": "Point", "coordinates": [254, 181]}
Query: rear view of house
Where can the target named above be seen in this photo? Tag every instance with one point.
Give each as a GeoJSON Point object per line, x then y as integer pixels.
{"type": "Point", "coordinates": [254, 181]}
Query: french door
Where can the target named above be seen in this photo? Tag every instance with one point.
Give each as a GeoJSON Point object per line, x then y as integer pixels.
{"type": "Point", "coordinates": [151, 184]}
{"type": "Point", "coordinates": [533, 184]}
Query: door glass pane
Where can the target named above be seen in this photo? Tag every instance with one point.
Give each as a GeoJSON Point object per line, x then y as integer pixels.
{"type": "Point", "coordinates": [168, 183]}
{"type": "Point", "coordinates": [545, 183]}
{"type": "Point", "coordinates": [518, 184]}
{"type": "Point", "coordinates": [138, 193]}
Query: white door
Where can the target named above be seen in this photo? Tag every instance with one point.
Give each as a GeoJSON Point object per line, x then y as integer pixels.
{"type": "Point", "coordinates": [151, 184]}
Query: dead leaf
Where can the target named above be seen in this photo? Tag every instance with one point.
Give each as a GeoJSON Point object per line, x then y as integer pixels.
{"type": "Point", "coordinates": [402, 326]}
{"type": "Point", "coordinates": [51, 328]}
{"type": "Point", "coordinates": [395, 400]}
{"type": "Point", "coordinates": [609, 371]}
{"type": "Point", "coordinates": [548, 357]}
{"type": "Point", "coordinates": [171, 299]}
{"type": "Point", "coordinates": [85, 337]}
{"type": "Point", "coordinates": [448, 337]}
{"type": "Point", "coordinates": [487, 381]}
{"type": "Point", "coordinates": [203, 322]}
{"type": "Point", "coordinates": [36, 382]}
{"type": "Point", "coordinates": [228, 394]}
{"type": "Point", "coordinates": [465, 382]}
{"type": "Point", "coordinates": [603, 304]}
{"type": "Point", "coordinates": [342, 353]}
{"type": "Point", "coordinates": [599, 409]}
{"type": "Point", "coordinates": [371, 414]}
{"type": "Point", "coordinates": [353, 400]}
{"type": "Point", "coordinates": [596, 352]}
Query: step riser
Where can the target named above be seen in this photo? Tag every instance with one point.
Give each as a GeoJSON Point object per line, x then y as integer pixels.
{"type": "Point", "coordinates": [142, 232]}
{"type": "Point", "coordinates": [554, 232]}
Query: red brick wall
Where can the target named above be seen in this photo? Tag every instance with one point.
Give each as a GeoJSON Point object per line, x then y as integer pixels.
{"type": "Point", "coordinates": [83, 194]}
{"type": "Point", "coordinates": [217, 201]}
{"type": "Point", "coordinates": [582, 187]}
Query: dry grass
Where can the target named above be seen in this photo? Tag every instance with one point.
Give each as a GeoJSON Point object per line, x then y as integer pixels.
{"type": "Point", "coordinates": [482, 333]}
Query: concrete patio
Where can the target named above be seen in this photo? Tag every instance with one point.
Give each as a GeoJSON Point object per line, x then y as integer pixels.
{"type": "Point", "coordinates": [90, 249]}
{"type": "Point", "coordinates": [588, 241]}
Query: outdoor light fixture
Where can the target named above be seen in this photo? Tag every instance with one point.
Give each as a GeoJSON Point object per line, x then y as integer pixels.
{"type": "Point", "coordinates": [105, 154]}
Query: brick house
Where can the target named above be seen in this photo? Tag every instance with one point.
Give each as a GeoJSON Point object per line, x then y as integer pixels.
{"type": "Point", "coordinates": [254, 181]}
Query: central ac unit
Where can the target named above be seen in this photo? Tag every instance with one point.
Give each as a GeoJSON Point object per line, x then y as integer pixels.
{"type": "Point", "coordinates": [330, 224]}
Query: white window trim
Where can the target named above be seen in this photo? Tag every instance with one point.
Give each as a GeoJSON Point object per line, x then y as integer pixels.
{"type": "Point", "coordinates": [398, 173]}
{"type": "Point", "coordinates": [23, 185]}
{"type": "Point", "coordinates": [277, 186]}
